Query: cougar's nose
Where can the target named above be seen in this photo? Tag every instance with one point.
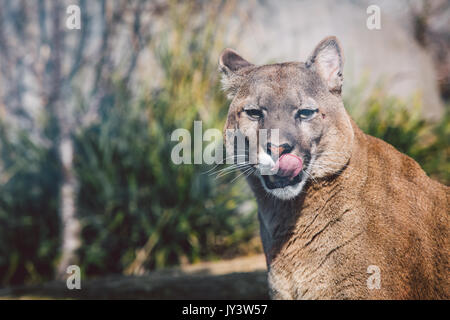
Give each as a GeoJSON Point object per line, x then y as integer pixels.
{"type": "Point", "coordinates": [275, 150]}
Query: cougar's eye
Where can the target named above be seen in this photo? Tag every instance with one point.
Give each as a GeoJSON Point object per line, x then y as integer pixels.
{"type": "Point", "coordinates": [306, 114]}
{"type": "Point", "coordinates": [255, 114]}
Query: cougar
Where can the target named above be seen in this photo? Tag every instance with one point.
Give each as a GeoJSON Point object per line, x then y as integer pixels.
{"type": "Point", "coordinates": [346, 216]}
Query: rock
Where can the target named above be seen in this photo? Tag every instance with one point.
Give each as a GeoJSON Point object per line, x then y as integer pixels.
{"type": "Point", "coordinates": [237, 279]}
{"type": "Point", "coordinates": [288, 30]}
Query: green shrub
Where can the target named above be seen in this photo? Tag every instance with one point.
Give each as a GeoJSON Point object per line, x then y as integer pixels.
{"type": "Point", "coordinates": [29, 224]}
{"type": "Point", "coordinates": [131, 194]}
{"type": "Point", "coordinates": [390, 119]}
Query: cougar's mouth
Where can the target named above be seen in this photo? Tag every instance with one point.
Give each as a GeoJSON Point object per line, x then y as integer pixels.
{"type": "Point", "coordinates": [276, 181]}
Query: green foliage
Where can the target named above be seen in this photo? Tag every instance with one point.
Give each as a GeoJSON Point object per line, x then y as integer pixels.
{"type": "Point", "coordinates": [389, 119]}
{"type": "Point", "coordinates": [131, 194]}
{"type": "Point", "coordinates": [131, 191]}
{"type": "Point", "coordinates": [28, 208]}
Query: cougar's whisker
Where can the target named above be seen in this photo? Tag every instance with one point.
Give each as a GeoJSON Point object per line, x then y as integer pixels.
{"type": "Point", "coordinates": [232, 167]}
{"type": "Point", "coordinates": [222, 174]}
{"type": "Point", "coordinates": [309, 175]}
{"type": "Point", "coordinates": [242, 173]}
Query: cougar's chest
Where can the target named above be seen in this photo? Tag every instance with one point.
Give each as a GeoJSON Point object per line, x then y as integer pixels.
{"type": "Point", "coordinates": [314, 252]}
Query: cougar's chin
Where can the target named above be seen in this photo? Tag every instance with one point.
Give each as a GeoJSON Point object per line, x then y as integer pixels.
{"type": "Point", "coordinates": [283, 190]}
{"type": "Point", "coordinates": [289, 179]}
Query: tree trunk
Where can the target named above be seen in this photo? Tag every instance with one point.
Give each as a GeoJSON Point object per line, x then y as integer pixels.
{"type": "Point", "coordinates": [70, 225]}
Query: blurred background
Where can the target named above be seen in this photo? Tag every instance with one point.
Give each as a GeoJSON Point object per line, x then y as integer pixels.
{"type": "Point", "coordinates": [86, 117]}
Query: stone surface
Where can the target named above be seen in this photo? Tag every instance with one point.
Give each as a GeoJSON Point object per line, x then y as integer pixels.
{"type": "Point", "coordinates": [239, 279]}
{"type": "Point", "coordinates": [288, 30]}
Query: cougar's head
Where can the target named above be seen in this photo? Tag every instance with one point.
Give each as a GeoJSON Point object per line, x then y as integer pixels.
{"type": "Point", "coordinates": [308, 132]}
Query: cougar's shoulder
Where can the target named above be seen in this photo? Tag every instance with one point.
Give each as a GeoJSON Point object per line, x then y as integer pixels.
{"type": "Point", "coordinates": [406, 224]}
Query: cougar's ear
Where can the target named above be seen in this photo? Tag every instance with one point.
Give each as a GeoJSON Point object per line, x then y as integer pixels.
{"type": "Point", "coordinates": [234, 69]}
{"type": "Point", "coordinates": [328, 60]}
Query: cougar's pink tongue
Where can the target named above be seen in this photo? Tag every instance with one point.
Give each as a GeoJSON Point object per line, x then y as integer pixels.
{"type": "Point", "coordinates": [288, 165]}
